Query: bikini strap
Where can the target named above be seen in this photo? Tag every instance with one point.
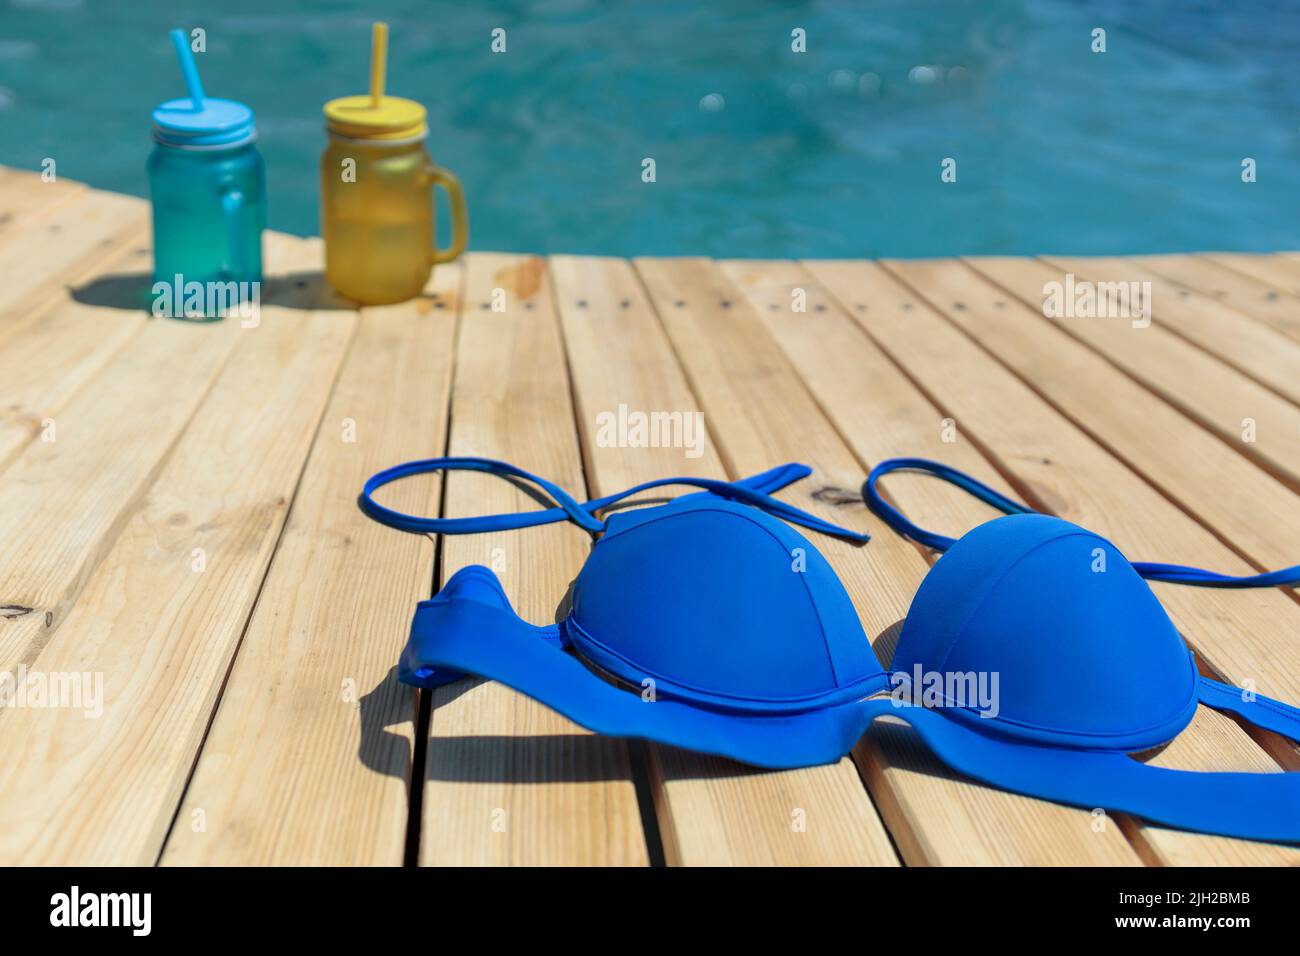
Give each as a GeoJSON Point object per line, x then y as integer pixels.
{"type": "Point", "coordinates": [751, 491]}
{"type": "Point", "coordinates": [1254, 806]}
{"type": "Point", "coordinates": [1151, 570]}
{"type": "Point", "coordinates": [1261, 711]}
{"type": "Point", "coordinates": [471, 628]}
{"type": "Point", "coordinates": [567, 506]}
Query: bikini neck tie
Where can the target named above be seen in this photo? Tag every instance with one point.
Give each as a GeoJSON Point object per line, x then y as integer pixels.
{"type": "Point", "coordinates": [1152, 571]}
{"type": "Point", "coordinates": [751, 491]}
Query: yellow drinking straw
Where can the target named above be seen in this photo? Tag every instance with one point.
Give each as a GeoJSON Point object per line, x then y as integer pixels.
{"type": "Point", "coordinates": [374, 115]}
{"type": "Point", "coordinates": [378, 62]}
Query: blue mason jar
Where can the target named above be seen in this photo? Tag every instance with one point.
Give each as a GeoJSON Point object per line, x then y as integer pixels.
{"type": "Point", "coordinates": [207, 183]}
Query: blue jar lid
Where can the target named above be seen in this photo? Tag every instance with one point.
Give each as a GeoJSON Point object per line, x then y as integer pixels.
{"type": "Point", "coordinates": [218, 123]}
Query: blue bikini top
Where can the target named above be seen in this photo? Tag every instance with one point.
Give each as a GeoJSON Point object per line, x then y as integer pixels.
{"type": "Point", "coordinates": [711, 624]}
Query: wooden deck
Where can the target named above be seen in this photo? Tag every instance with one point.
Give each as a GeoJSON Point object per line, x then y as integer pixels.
{"type": "Point", "coordinates": [179, 516]}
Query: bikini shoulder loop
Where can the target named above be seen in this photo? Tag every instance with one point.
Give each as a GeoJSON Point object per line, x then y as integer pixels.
{"type": "Point", "coordinates": [419, 525]}
{"type": "Point", "coordinates": [1151, 570]}
{"type": "Point", "coordinates": [895, 518]}
{"type": "Point", "coordinates": [751, 491]}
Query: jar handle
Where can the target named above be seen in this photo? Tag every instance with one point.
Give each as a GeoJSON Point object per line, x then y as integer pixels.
{"type": "Point", "coordinates": [459, 219]}
{"type": "Point", "coordinates": [232, 204]}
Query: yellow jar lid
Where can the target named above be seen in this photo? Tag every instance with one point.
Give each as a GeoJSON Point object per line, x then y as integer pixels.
{"type": "Point", "coordinates": [364, 117]}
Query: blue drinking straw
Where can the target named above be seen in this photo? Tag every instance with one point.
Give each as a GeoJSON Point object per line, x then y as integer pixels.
{"type": "Point", "coordinates": [188, 68]}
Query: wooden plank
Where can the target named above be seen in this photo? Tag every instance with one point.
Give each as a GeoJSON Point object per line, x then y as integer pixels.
{"type": "Point", "coordinates": [711, 811]}
{"type": "Point", "coordinates": [934, 815]}
{"type": "Point", "coordinates": [508, 780]}
{"type": "Point", "coordinates": [44, 363]}
{"type": "Point", "coordinates": [64, 248]}
{"type": "Point", "coordinates": [1198, 471]}
{"type": "Point", "coordinates": [1059, 469]}
{"type": "Point", "coordinates": [314, 683]}
{"type": "Point", "coordinates": [25, 197]}
{"type": "Point", "coordinates": [1252, 348]}
{"type": "Point", "coordinates": [1204, 276]}
{"type": "Point", "coordinates": [1282, 272]}
{"type": "Point", "coordinates": [69, 492]}
{"type": "Point", "coordinates": [159, 630]}
{"type": "Point", "coordinates": [1248, 416]}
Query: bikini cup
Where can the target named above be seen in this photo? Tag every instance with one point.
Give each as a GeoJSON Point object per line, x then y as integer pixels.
{"type": "Point", "coordinates": [1085, 655]}
{"type": "Point", "coordinates": [730, 621]}
{"type": "Point", "coordinates": [1089, 663]}
{"type": "Point", "coordinates": [1086, 650]}
{"type": "Point", "coordinates": [688, 628]}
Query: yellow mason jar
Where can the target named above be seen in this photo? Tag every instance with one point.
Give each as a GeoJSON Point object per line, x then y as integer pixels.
{"type": "Point", "coordinates": [377, 202]}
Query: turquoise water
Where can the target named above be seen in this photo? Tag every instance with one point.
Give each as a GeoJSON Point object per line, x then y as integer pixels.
{"type": "Point", "coordinates": [759, 151]}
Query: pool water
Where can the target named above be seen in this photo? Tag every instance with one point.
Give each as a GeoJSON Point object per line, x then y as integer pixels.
{"type": "Point", "coordinates": [759, 151]}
